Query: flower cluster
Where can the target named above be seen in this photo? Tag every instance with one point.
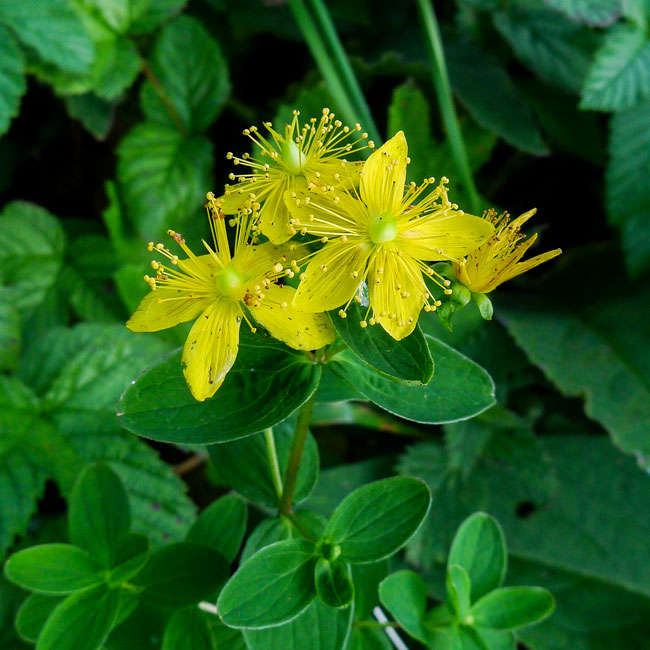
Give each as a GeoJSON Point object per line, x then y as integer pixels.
{"type": "Point", "coordinates": [368, 229]}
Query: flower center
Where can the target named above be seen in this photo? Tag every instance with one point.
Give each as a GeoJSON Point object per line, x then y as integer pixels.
{"type": "Point", "coordinates": [230, 282]}
{"type": "Point", "coordinates": [383, 228]}
{"type": "Point", "coordinates": [292, 157]}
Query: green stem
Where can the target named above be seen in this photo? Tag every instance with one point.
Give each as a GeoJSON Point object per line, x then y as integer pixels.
{"type": "Point", "coordinates": [273, 462]}
{"type": "Point", "coordinates": [295, 454]}
{"type": "Point", "coordinates": [446, 102]}
{"type": "Point", "coordinates": [323, 16]}
{"type": "Point", "coordinates": [323, 61]}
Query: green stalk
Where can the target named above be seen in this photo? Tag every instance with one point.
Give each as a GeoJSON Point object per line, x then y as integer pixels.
{"type": "Point", "coordinates": [273, 462]}
{"type": "Point", "coordinates": [295, 454]}
{"type": "Point", "coordinates": [323, 61]}
{"type": "Point", "coordinates": [341, 58]}
{"type": "Point", "coordinates": [446, 102]}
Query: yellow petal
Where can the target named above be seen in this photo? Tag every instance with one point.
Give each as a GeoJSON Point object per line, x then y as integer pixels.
{"type": "Point", "coordinates": [165, 308]}
{"type": "Point", "coordinates": [384, 175]}
{"type": "Point", "coordinates": [444, 237]}
{"type": "Point", "coordinates": [254, 262]}
{"type": "Point", "coordinates": [335, 172]}
{"type": "Point", "coordinates": [235, 198]}
{"type": "Point", "coordinates": [274, 215]}
{"type": "Point", "coordinates": [399, 296]}
{"type": "Point", "coordinates": [298, 330]}
{"type": "Point", "coordinates": [527, 265]}
{"type": "Point", "coordinates": [211, 348]}
{"type": "Point", "coordinates": [328, 281]}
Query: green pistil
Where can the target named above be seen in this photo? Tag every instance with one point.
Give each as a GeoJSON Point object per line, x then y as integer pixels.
{"type": "Point", "coordinates": [230, 282]}
{"type": "Point", "coordinates": [292, 157]}
{"type": "Point", "coordinates": [383, 228]}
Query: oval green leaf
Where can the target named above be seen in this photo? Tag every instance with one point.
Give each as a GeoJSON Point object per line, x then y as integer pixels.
{"type": "Point", "coordinates": [189, 629]}
{"type": "Point", "coordinates": [333, 583]}
{"type": "Point", "coordinates": [512, 607]}
{"type": "Point", "coordinates": [130, 556]}
{"type": "Point", "coordinates": [404, 595]}
{"type": "Point", "coordinates": [458, 592]}
{"type": "Point", "coordinates": [273, 587]}
{"type": "Point", "coordinates": [377, 519]}
{"type": "Point", "coordinates": [33, 614]}
{"type": "Point", "coordinates": [267, 383]}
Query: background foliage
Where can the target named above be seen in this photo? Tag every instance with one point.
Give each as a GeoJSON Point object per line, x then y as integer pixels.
{"type": "Point", "coordinates": [116, 118]}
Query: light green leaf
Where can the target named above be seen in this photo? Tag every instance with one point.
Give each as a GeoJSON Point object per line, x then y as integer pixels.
{"type": "Point", "coordinates": [221, 525]}
{"type": "Point", "coordinates": [244, 465]}
{"type": "Point", "coordinates": [620, 74]}
{"type": "Point", "coordinates": [117, 66]}
{"type": "Point", "coordinates": [628, 193]}
{"type": "Point", "coordinates": [273, 587]}
{"type": "Point", "coordinates": [189, 629]}
{"type": "Point", "coordinates": [82, 621]}
{"type": "Point", "coordinates": [193, 74]}
{"type": "Point", "coordinates": [459, 389]}
{"type": "Point", "coordinates": [53, 569]}
{"type": "Point", "coordinates": [12, 78]}
{"type": "Point", "coordinates": [334, 585]}
{"type": "Point", "coordinates": [595, 13]}
{"type": "Point", "coordinates": [164, 177]}
{"type": "Point", "coordinates": [33, 614]}
{"type": "Point", "coordinates": [511, 607]}
{"type": "Point", "coordinates": [99, 512]}
{"type": "Point", "coordinates": [376, 520]}
{"type": "Point", "coordinates": [458, 592]}
{"type": "Point", "coordinates": [115, 13]}
{"type": "Point", "coordinates": [319, 627]}
{"type": "Point", "coordinates": [274, 379]}
{"type": "Point", "coordinates": [404, 594]}
{"type": "Point", "coordinates": [408, 360]}
{"type": "Point", "coordinates": [479, 547]}
{"type": "Point", "coordinates": [52, 29]}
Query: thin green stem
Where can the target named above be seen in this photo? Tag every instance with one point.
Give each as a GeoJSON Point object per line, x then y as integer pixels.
{"type": "Point", "coordinates": [323, 61]}
{"type": "Point", "coordinates": [295, 454]}
{"type": "Point", "coordinates": [323, 17]}
{"type": "Point", "coordinates": [446, 101]}
{"type": "Point", "coordinates": [274, 465]}
{"type": "Point", "coordinates": [299, 527]}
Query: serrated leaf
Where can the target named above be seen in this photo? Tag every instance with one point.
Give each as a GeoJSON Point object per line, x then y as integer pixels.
{"type": "Point", "coordinates": [52, 29]}
{"type": "Point", "coordinates": [116, 67]}
{"type": "Point", "coordinates": [408, 360]}
{"type": "Point", "coordinates": [459, 389]}
{"type": "Point", "coordinates": [189, 629]}
{"type": "Point", "coordinates": [595, 13]}
{"type": "Point", "coordinates": [274, 379]}
{"type": "Point", "coordinates": [93, 112]}
{"type": "Point", "coordinates": [193, 74]}
{"type": "Point", "coordinates": [619, 77]}
{"type": "Point", "coordinates": [146, 15]}
{"type": "Point", "coordinates": [273, 587]}
{"type": "Point", "coordinates": [628, 193]}
{"type": "Point", "coordinates": [115, 13]}
{"type": "Point", "coordinates": [164, 176]}
{"type": "Point", "coordinates": [558, 50]}
{"type": "Point", "coordinates": [12, 78]}
{"type": "Point", "coordinates": [244, 465]}
{"type": "Point", "coordinates": [491, 97]}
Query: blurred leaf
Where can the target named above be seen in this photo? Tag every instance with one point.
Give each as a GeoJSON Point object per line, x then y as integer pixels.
{"type": "Point", "coordinates": [227, 638]}
{"type": "Point", "coordinates": [131, 554]}
{"type": "Point", "coordinates": [244, 465]}
{"type": "Point", "coordinates": [115, 13]}
{"type": "Point", "coordinates": [595, 13]}
{"type": "Point", "coordinates": [189, 629]}
{"type": "Point", "coordinates": [33, 613]}
{"type": "Point", "coordinates": [310, 101]}
{"type": "Point", "coordinates": [490, 95]}
{"type": "Point", "coordinates": [558, 50]}
{"type": "Point", "coordinates": [164, 177]}
{"type": "Point", "coordinates": [12, 78]}
{"type": "Point", "coordinates": [146, 15]}
{"type": "Point", "coordinates": [367, 638]}
{"type": "Point", "coordinates": [193, 75]}
{"type": "Point", "coordinates": [51, 28]}
{"type": "Point", "coordinates": [11, 598]}
{"type": "Point", "coordinates": [117, 66]}
{"type": "Point", "coordinates": [627, 187]}
{"type": "Point", "coordinates": [9, 331]}
{"type": "Point", "coordinates": [93, 112]}
{"type": "Point", "coordinates": [620, 74]}
{"type": "Point", "coordinates": [274, 379]}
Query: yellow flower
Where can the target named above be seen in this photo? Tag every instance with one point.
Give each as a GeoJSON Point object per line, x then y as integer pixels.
{"type": "Point", "coordinates": [497, 260]}
{"type": "Point", "coordinates": [382, 235]}
{"type": "Point", "coordinates": [314, 151]}
{"type": "Point", "coordinates": [219, 290]}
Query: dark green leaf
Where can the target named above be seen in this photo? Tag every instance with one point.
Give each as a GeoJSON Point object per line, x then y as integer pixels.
{"type": "Point", "coordinates": [376, 520]}
{"type": "Point", "coordinates": [82, 621]}
{"type": "Point", "coordinates": [147, 15]}
{"type": "Point", "coordinates": [94, 113]}
{"type": "Point", "coordinates": [12, 78]}
{"type": "Point", "coordinates": [319, 627]}
{"type": "Point", "coordinates": [131, 554]}
{"type": "Point", "coordinates": [274, 380]}
{"type": "Point", "coordinates": [117, 66]}
{"type": "Point", "coordinates": [479, 547]}
{"type": "Point", "coordinates": [189, 629]}
{"type": "Point", "coordinates": [9, 332]}
{"type": "Point", "coordinates": [33, 614]}
{"type": "Point", "coordinates": [182, 574]}
{"type": "Point", "coordinates": [512, 607]}
{"type": "Point", "coordinates": [164, 176]}
{"type": "Point", "coordinates": [409, 359]}
{"type": "Point", "coordinates": [244, 465]}
{"type": "Point", "coordinates": [99, 512]}
{"type": "Point", "coordinates": [620, 74]}
{"type": "Point", "coordinates": [368, 638]}
{"type": "Point", "coordinates": [459, 389]}
{"type": "Point", "coordinates": [595, 13]}
{"type": "Point", "coordinates": [52, 29]}
{"type": "Point", "coordinates": [221, 525]}
{"type": "Point", "coordinates": [333, 583]}
{"type": "Point", "coordinates": [273, 587]}
{"type": "Point", "coordinates": [458, 592]}
{"type": "Point", "coordinates": [404, 594]}
{"type": "Point", "coordinates": [193, 74]}
{"type": "Point", "coordinates": [53, 569]}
